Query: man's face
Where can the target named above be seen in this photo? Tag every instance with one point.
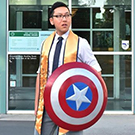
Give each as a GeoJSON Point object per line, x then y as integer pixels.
{"type": "Point", "coordinates": [61, 20]}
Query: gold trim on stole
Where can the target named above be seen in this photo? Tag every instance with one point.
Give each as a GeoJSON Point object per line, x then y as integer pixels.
{"type": "Point", "coordinates": [69, 56]}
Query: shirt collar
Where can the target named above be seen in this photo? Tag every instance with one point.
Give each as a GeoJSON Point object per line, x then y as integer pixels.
{"type": "Point", "coordinates": [64, 35]}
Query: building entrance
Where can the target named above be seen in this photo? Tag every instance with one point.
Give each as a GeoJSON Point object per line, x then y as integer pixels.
{"type": "Point", "coordinates": [106, 27]}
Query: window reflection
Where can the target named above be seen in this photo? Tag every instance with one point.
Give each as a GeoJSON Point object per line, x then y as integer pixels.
{"type": "Point", "coordinates": [120, 91]}
{"type": "Point", "coordinates": [84, 34]}
{"type": "Point", "coordinates": [128, 27]}
{"type": "Point", "coordinates": [106, 63]}
{"type": "Point", "coordinates": [125, 72]}
{"type": "Point", "coordinates": [32, 19]}
{"type": "Point", "coordinates": [81, 18]}
{"type": "Point", "coordinates": [30, 64]}
{"type": "Point", "coordinates": [102, 40]}
{"type": "Point", "coordinates": [22, 79]}
{"type": "Point", "coordinates": [29, 81]}
{"type": "Point", "coordinates": [102, 20]}
{"type": "Point", "coordinates": [109, 84]}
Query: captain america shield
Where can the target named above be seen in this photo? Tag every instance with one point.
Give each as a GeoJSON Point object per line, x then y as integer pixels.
{"type": "Point", "coordinates": [75, 96]}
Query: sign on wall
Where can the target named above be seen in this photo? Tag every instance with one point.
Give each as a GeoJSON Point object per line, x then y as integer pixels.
{"type": "Point", "coordinates": [26, 41]}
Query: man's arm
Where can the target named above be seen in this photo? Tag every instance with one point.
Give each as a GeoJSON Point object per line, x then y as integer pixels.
{"type": "Point", "coordinates": [86, 55]}
{"type": "Point", "coordinates": [37, 93]}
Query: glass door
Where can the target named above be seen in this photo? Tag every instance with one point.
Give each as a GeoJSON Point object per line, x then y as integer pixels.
{"type": "Point", "coordinates": [107, 27]}
{"type": "Point", "coordinates": [23, 55]}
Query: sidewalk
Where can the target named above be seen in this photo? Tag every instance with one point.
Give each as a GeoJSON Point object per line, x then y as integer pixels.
{"type": "Point", "coordinates": [107, 125]}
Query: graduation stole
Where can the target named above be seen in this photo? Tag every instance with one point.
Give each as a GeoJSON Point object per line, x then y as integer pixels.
{"type": "Point", "coordinates": [70, 55]}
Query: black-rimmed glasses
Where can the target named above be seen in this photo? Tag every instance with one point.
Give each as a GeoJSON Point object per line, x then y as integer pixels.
{"type": "Point", "coordinates": [60, 17]}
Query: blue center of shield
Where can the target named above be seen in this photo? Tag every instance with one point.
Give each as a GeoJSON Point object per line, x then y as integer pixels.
{"type": "Point", "coordinates": [79, 96]}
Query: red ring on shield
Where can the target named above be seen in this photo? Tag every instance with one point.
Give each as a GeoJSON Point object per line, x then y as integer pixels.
{"type": "Point", "coordinates": [56, 102]}
{"type": "Point", "coordinates": [64, 104]}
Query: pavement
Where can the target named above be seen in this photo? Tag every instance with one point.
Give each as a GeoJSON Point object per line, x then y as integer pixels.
{"type": "Point", "coordinates": [109, 124]}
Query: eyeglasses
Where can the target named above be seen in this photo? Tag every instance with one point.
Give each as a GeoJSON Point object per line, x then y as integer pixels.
{"type": "Point", "coordinates": [60, 17]}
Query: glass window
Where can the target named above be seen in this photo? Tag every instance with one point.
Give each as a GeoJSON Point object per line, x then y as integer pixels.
{"type": "Point", "coordinates": [80, 18]}
{"type": "Point", "coordinates": [22, 79]}
{"type": "Point", "coordinates": [128, 27]}
{"type": "Point", "coordinates": [116, 72]}
{"type": "Point", "coordinates": [85, 3]}
{"type": "Point", "coordinates": [29, 81]}
{"type": "Point", "coordinates": [34, 2]}
{"type": "Point", "coordinates": [25, 17]}
{"type": "Point", "coordinates": [103, 41]}
{"type": "Point", "coordinates": [30, 63]}
{"type": "Point", "coordinates": [22, 2]}
{"type": "Point", "coordinates": [102, 20]}
{"type": "Point", "coordinates": [109, 81]}
{"type": "Point", "coordinates": [125, 74]}
{"type": "Point", "coordinates": [106, 63]}
{"type": "Point", "coordinates": [32, 19]}
{"type": "Point", "coordinates": [50, 2]}
{"type": "Point", "coordinates": [84, 34]}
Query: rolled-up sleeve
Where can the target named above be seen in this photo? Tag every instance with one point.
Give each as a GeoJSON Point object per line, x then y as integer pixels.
{"type": "Point", "coordinates": [86, 55]}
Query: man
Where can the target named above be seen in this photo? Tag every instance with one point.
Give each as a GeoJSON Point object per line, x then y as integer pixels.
{"type": "Point", "coordinates": [73, 49]}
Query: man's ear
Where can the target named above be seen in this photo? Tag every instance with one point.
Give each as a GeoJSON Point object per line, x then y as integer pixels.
{"type": "Point", "coordinates": [51, 21]}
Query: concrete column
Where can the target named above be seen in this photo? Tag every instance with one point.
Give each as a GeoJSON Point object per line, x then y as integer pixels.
{"type": "Point", "coordinates": [3, 46]}
{"type": "Point", "coordinates": [133, 46]}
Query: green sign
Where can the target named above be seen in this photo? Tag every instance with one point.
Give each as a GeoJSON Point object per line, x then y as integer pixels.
{"type": "Point", "coordinates": [24, 34]}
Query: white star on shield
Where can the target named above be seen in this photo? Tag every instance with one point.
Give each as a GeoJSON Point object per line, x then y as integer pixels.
{"type": "Point", "coordinates": [79, 96]}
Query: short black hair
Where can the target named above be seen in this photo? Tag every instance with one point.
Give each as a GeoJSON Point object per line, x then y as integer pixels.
{"type": "Point", "coordinates": [56, 5]}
